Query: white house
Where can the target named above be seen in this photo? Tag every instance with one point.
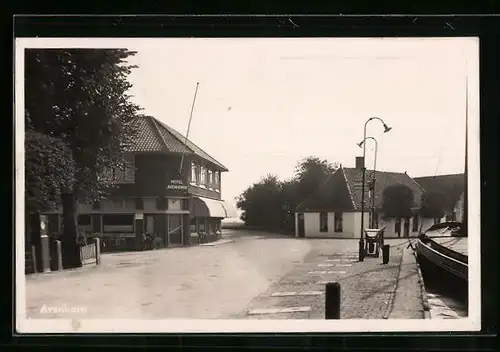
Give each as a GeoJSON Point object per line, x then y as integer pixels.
{"type": "Point", "coordinates": [334, 210]}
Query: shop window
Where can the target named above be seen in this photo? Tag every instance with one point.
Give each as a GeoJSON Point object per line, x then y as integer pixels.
{"type": "Point", "coordinates": [193, 225]}
{"type": "Point", "coordinates": [201, 225]}
{"type": "Point", "coordinates": [323, 222]}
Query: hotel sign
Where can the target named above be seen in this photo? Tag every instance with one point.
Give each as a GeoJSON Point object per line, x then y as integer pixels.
{"type": "Point", "coordinates": [176, 187]}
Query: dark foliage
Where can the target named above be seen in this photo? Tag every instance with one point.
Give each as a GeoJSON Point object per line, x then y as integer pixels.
{"type": "Point", "coordinates": [270, 203]}
{"type": "Point", "coordinates": [397, 201]}
{"type": "Point", "coordinates": [49, 171]}
{"type": "Point", "coordinates": [432, 205]}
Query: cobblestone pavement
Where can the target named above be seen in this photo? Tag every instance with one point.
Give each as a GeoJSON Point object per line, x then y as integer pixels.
{"type": "Point", "coordinates": [367, 288]}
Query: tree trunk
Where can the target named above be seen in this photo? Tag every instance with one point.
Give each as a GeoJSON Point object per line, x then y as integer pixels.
{"type": "Point", "coordinates": [71, 250]}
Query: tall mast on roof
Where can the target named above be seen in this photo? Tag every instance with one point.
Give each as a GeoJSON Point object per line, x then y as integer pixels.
{"type": "Point", "coordinates": [189, 126]}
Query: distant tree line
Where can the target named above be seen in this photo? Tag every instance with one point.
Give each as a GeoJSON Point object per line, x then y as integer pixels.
{"type": "Point", "coordinates": [270, 203]}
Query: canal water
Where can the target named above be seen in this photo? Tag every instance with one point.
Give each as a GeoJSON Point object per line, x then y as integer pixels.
{"type": "Point", "coordinates": [447, 300]}
{"type": "Point", "coordinates": [446, 306]}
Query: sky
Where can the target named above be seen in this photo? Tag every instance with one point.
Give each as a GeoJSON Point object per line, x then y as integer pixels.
{"type": "Point", "coordinates": [265, 104]}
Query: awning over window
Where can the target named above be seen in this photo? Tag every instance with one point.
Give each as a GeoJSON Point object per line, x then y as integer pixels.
{"type": "Point", "coordinates": [206, 207]}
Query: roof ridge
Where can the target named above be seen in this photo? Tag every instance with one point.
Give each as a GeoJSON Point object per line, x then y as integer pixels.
{"type": "Point", "coordinates": [155, 125]}
{"type": "Point", "coordinates": [188, 140]}
{"type": "Point", "coordinates": [349, 190]}
{"type": "Point", "coordinates": [168, 128]}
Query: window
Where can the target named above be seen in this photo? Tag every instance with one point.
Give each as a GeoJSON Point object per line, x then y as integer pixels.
{"type": "Point", "coordinates": [201, 225]}
{"type": "Point", "coordinates": [83, 220]}
{"type": "Point", "coordinates": [323, 222]}
{"type": "Point", "coordinates": [123, 203]}
{"type": "Point", "coordinates": [451, 217]}
{"type": "Point", "coordinates": [117, 203]}
{"type": "Point", "coordinates": [339, 222]}
{"type": "Point", "coordinates": [414, 225]}
{"type": "Point", "coordinates": [216, 179]}
{"type": "Point", "coordinates": [118, 223]}
{"type": "Point", "coordinates": [185, 204]}
{"type": "Point", "coordinates": [126, 173]}
{"type": "Point", "coordinates": [203, 173]}
{"type": "Point", "coordinates": [437, 220]}
{"type": "Point", "coordinates": [193, 226]}
{"type": "Point", "coordinates": [174, 204]}
{"type": "Point", "coordinates": [210, 182]}
{"type": "Point", "coordinates": [194, 173]}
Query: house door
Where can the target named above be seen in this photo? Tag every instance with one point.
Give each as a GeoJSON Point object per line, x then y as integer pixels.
{"type": "Point", "coordinates": [175, 229]}
{"type": "Point", "coordinates": [301, 224]}
{"type": "Point", "coordinates": [407, 227]}
{"type": "Point", "coordinates": [150, 224]}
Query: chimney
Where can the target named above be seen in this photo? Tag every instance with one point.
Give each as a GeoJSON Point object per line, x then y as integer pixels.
{"type": "Point", "coordinates": [360, 162]}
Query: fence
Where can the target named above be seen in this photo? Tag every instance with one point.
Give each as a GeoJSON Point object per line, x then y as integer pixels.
{"type": "Point", "coordinates": [90, 253]}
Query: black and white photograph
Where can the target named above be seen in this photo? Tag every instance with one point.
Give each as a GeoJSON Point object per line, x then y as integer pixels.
{"type": "Point", "coordinates": [247, 185]}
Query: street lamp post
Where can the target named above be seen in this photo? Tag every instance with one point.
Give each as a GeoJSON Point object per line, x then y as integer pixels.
{"type": "Point", "coordinates": [360, 144]}
{"type": "Point", "coordinates": [361, 238]}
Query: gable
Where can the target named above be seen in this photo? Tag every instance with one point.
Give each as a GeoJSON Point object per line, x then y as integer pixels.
{"type": "Point", "coordinates": [332, 195]}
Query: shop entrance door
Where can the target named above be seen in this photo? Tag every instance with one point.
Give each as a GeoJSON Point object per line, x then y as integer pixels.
{"type": "Point", "coordinates": [175, 229]}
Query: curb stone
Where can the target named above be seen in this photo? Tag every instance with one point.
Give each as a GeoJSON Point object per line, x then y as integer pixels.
{"type": "Point", "coordinates": [425, 299]}
{"type": "Point", "coordinates": [390, 302]}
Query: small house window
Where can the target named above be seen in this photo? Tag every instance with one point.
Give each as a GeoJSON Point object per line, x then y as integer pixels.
{"type": "Point", "coordinates": [323, 222]}
{"type": "Point", "coordinates": [414, 227]}
{"type": "Point", "coordinates": [437, 220]}
{"type": "Point", "coordinates": [339, 226]}
{"type": "Point", "coordinates": [193, 225]}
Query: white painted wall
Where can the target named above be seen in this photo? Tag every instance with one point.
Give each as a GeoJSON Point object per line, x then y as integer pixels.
{"type": "Point", "coordinates": [311, 225]}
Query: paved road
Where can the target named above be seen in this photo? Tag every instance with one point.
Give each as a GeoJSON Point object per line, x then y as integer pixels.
{"type": "Point", "coordinates": [233, 278]}
{"type": "Point", "coordinates": [193, 282]}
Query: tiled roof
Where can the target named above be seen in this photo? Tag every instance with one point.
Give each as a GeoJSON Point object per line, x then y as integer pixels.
{"type": "Point", "coordinates": [155, 136]}
{"type": "Point", "coordinates": [197, 150]}
{"type": "Point", "coordinates": [383, 180]}
{"type": "Point", "coordinates": [451, 186]}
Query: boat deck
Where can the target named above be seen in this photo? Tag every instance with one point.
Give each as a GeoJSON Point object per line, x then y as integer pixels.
{"type": "Point", "coordinates": [457, 244]}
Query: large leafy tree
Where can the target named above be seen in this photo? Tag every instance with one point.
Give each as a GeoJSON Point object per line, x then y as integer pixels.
{"type": "Point", "coordinates": [432, 205]}
{"type": "Point", "coordinates": [49, 170]}
{"type": "Point", "coordinates": [80, 97]}
{"type": "Point", "coordinates": [310, 173]}
{"type": "Point", "coordinates": [397, 201]}
{"type": "Point", "coordinates": [270, 203]}
{"type": "Point", "coordinates": [261, 203]}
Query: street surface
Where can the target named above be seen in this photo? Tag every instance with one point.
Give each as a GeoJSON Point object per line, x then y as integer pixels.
{"type": "Point", "coordinates": [246, 275]}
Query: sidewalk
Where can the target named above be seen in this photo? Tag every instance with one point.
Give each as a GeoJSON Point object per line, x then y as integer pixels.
{"type": "Point", "coordinates": [369, 289]}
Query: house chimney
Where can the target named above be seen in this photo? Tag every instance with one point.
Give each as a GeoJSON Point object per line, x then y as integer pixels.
{"type": "Point", "coordinates": [360, 162]}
